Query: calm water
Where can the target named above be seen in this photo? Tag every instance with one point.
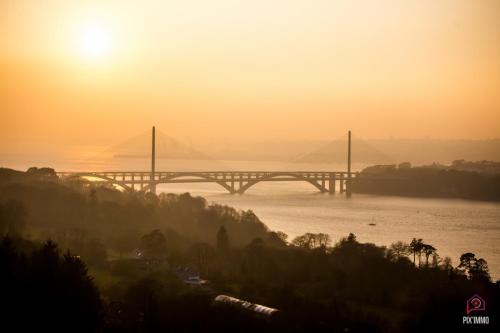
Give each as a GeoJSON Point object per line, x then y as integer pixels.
{"type": "Point", "coordinates": [452, 226]}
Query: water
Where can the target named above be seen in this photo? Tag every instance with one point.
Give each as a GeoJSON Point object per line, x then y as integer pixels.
{"type": "Point", "coordinates": [452, 226]}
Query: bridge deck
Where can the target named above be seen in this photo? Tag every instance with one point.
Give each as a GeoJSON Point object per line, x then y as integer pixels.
{"type": "Point", "coordinates": [233, 181]}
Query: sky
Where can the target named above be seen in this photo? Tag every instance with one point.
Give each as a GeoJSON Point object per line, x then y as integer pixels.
{"type": "Point", "coordinates": [79, 74]}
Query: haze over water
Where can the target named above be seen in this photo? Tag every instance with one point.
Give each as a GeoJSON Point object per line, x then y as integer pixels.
{"type": "Point", "coordinates": [453, 226]}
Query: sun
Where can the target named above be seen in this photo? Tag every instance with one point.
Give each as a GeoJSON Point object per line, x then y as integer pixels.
{"type": "Point", "coordinates": [95, 41]}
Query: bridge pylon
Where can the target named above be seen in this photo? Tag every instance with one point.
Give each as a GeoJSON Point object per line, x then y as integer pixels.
{"type": "Point", "coordinates": [152, 177]}
{"type": "Point", "coordinates": [349, 176]}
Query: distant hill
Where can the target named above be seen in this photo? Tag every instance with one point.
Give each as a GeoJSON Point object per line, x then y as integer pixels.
{"type": "Point", "coordinates": [416, 151]}
{"type": "Point", "coordinates": [370, 151]}
{"type": "Point", "coordinates": [166, 148]}
{"type": "Point", "coordinates": [336, 152]}
{"type": "Point", "coordinates": [424, 151]}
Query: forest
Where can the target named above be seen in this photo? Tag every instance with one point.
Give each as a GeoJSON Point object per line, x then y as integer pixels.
{"type": "Point", "coordinates": [461, 179]}
{"type": "Point", "coordinates": [84, 257]}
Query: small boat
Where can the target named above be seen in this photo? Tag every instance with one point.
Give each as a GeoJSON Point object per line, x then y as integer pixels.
{"type": "Point", "coordinates": [372, 224]}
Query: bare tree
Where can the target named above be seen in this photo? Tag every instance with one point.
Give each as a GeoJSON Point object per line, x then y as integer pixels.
{"type": "Point", "coordinates": [399, 249]}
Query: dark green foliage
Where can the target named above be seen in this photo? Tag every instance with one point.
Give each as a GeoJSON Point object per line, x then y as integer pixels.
{"type": "Point", "coordinates": [474, 268]}
{"type": "Point", "coordinates": [432, 181]}
{"type": "Point", "coordinates": [312, 241]}
{"type": "Point", "coordinates": [350, 287]}
{"type": "Point", "coordinates": [222, 239]}
{"type": "Point", "coordinates": [44, 291]}
{"type": "Point", "coordinates": [153, 245]}
{"type": "Point", "coordinates": [12, 218]}
{"type": "Point", "coordinates": [77, 213]}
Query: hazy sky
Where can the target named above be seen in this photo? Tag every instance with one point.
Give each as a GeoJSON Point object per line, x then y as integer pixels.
{"type": "Point", "coordinates": [84, 73]}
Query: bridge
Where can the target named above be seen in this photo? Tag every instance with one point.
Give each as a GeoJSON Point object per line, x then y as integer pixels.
{"type": "Point", "coordinates": [233, 181]}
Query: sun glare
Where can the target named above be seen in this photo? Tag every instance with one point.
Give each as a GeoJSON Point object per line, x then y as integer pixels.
{"type": "Point", "coordinates": [95, 41]}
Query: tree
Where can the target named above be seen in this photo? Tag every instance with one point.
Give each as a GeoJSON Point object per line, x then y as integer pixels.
{"type": "Point", "coordinates": [312, 241]}
{"type": "Point", "coordinates": [201, 254]}
{"type": "Point", "coordinates": [446, 264]}
{"type": "Point", "coordinates": [123, 241]}
{"type": "Point", "coordinates": [467, 261]}
{"type": "Point", "coordinates": [416, 247]}
{"type": "Point", "coordinates": [256, 243]}
{"type": "Point", "coordinates": [323, 240]}
{"type": "Point", "coordinates": [399, 249]}
{"type": "Point", "coordinates": [12, 218]}
{"type": "Point", "coordinates": [301, 241]}
{"type": "Point", "coordinates": [428, 250]}
{"type": "Point", "coordinates": [474, 268]}
{"type": "Point", "coordinates": [404, 165]}
{"type": "Point", "coordinates": [95, 253]}
{"type": "Point", "coordinates": [351, 238]}
{"type": "Point", "coordinates": [282, 235]}
{"type": "Point", "coordinates": [481, 270]}
{"type": "Point", "coordinates": [435, 260]}
{"type": "Point", "coordinates": [153, 245]}
{"type": "Point", "coordinates": [222, 239]}
{"type": "Point", "coordinates": [55, 292]}
{"type": "Point", "coordinates": [42, 173]}
{"type": "Point", "coordinates": [276, 239]}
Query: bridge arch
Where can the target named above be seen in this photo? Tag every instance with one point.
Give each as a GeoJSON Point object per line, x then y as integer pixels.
{"type": "Point", "coordinates": [105, 178]}
{"type": "Point", "coordinates": [165, 180]}
{"type": "Point", "coordinates": [251, 183]}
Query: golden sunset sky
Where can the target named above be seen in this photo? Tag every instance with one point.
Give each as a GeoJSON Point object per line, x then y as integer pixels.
{"type": "Point", "coordinates": [96, 72]}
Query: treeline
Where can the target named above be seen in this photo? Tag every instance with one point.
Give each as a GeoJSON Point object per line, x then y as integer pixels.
{"type": "Point", "coordinates": [43, 290]}
{"type": "Point", "coordinates": [428, 181]}
{"type": "Point", "coordinates": [352, 286]}
{"type": "Point", "coordinates": [139, 248]}
{"type": "Point", "coordinates": [87, 218]}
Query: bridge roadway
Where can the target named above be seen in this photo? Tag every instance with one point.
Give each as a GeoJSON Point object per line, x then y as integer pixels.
{"type": "Point", "coordinates": [233, 181]}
